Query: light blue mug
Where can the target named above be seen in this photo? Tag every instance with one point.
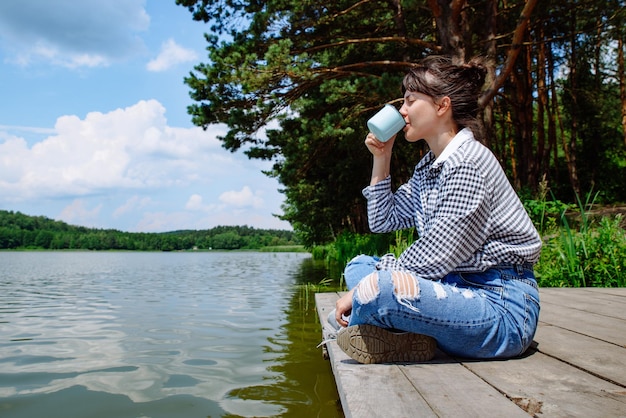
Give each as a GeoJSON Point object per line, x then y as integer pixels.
{"type": "Point", "coordinates": [386, 123]}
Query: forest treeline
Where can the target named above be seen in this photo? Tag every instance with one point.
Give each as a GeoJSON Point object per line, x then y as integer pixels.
{"type": "Point", "coordinates": [295, 83]}
{"type": "Point", "coordinates": [20, 231]}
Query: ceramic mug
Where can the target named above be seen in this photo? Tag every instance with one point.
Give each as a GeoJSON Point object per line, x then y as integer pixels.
{"type": "Point", "coordinates": [386, 123]}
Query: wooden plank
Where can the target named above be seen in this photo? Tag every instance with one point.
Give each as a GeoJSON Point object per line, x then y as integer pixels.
{"type": "Point", "coordinates": [612, 305]}
{"type": "Point", "coordinates": [601, 327]}
{"type": "Point", "coordinates": [550, 387]}
{"type": "Point", "coordinates": [578, 370]}
{"type": "Point", "coordinates": [442, 387]}
{"type": "Point", "coordinates": [614, 291]}
{"type": "Point", "coordinates": [375, 390]}
{"type": "Point", "coordinates": [586, 353]}
{"type": "Point", "coordinates": [453, 391]}
{"type": "Point", "coordinates": [369, 390]}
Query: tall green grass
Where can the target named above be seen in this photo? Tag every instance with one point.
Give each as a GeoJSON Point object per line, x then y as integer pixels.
{"type": "Point", "coordinates": [593, 254]}
{"type": "Point", "coordinates": [348, 245]}
{"type": "Point", "coordinates": [578, 250]}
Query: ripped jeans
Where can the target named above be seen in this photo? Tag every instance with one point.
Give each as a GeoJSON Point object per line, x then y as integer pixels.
{"type": "Point", "coordinates": [492, 314]}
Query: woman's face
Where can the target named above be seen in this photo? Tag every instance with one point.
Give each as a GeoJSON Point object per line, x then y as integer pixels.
{"type": "Point", "coordinates": [420, 114]}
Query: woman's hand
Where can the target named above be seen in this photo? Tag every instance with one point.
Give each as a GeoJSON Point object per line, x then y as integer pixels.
{"type": "Point", "coordinates": [344, 308]}
{"type": "Point", "coordinates": [379, 148]}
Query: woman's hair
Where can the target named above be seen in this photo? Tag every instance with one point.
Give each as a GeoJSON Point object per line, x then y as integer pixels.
{"type": "Point", "coordinates": [437, 76]}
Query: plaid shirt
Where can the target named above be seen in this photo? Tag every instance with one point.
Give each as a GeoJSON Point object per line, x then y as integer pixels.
{"type": "Point", "coordinates": [466, 214]}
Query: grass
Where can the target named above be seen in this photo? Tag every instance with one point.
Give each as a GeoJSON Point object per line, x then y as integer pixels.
{"type": "Point", "coordinates": [307, 290]}
{"type": "Point", "coordinates": [284, 249]}
{"type": "Point", "coordinates": [591, 255]}
{"type": "Point", "coordinates": [578, 250]}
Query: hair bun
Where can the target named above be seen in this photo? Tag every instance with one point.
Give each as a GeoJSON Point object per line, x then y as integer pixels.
{"type": "Point", "coordinates": [476, 72]}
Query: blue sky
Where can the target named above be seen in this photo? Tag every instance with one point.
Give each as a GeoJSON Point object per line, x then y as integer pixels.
{"type": "Point", "coordinates": [94, 129]}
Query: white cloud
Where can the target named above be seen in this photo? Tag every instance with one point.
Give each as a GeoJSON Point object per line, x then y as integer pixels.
{"type": "Point", "coordinates": [13, 152]}
{"type": "Point", "coordinates": [165, 221]}
{"type": "Point", "coordinates": [134, 203]}
{"type": "Point", "coordinates": [78, 213]}
{"type": "Point", "coordinates": [171, 54]}
{"type": "Point", "coordinates": [131, 148]}
{"type": "Point", "coordinates": [71, 33]}
{"type": "Point", "coordinates": [242, 198]}
{"type": "Point", "coordinates": [130, 169]}
{"type": "Point", "coordinates": [196, 203]}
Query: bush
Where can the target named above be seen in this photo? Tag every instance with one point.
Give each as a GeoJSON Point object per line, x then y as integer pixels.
{"type": "Point", "coordinates": [592, 256]}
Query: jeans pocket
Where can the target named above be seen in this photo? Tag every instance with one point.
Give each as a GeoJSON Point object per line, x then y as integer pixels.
{"type": "Point", "coordinates": [531, 318]}
{"type": "Point", "coordinates": [490, 280]}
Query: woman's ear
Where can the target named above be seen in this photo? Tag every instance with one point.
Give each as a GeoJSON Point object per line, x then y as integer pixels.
{"type": "Point", "coordinates": [444, 104]}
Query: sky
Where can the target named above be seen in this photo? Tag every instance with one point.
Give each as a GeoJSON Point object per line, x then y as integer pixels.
{"type": "Point", "coordinates": [94, 129]}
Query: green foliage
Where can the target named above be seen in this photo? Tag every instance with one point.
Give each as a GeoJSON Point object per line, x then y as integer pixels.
{"type": "Point", "coordinates": [19, 231]}
{"type": "Point", "coordinates": [403, 240]}
{"type": "Point", "coordinates": [592, 256]}
{"type": "Point", "coordinates": [295, 82]}
{"type": "Point", "coordinates": [283, 249]}
{"type": "Point", "coordinates": [592, 109]}
{"type": "Point", "coordinates": [544, 213]}
{"type": "Point", "coordinates": [348, 245]}
{"type": "Point", "coordinates": [292, 62]}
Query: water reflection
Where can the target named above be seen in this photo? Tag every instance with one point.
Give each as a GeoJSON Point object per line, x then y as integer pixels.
{"type": "Point", "coordinates": [139, 334]}
{"type": "Point", "coordinates": [306, 387]}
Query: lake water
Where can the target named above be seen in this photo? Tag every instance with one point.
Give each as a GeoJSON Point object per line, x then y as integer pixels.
{"type": "Point", "coordinates": [126, 334]}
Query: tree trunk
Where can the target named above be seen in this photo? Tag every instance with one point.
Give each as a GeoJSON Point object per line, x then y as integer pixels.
{"type": "Point", "coordinates": [448, 19]}
{"type": "Point", "coordinates": [512, 53]}
{"type": "Point", "coordinates": [622, 82]}
{"type": "Point", "coordinates": [523, 120]}
{"type": "Point", "coordinates": [529, 157]}
{"type": "Point", "coordinates": [543, 151]}
{"type": "Point", "coordinates": [554, 111]}
{"type": "Point", "coordinates": [516, 181]}
{"type": "Point", "coordinates": [490, 52]}
{"type": "Point", "coordinates": [571, 146]}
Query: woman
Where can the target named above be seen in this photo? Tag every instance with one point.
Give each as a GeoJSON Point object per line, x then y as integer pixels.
{"type": "Point", "coordinates": [467, 281]}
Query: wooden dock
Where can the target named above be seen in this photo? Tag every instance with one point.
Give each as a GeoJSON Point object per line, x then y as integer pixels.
{"type": "Point", "coordinates": [576, 368]}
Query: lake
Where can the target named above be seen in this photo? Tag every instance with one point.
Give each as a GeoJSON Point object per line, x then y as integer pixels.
{"type": "Point", "coordinates": [189, 334]}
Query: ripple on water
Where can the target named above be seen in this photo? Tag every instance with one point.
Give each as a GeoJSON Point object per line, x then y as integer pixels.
{"type": "Point", "coordinates": [143, 331]}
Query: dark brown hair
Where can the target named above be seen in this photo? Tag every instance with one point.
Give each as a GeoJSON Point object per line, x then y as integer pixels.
{"type": "Point", "coordinates": [437, 76]}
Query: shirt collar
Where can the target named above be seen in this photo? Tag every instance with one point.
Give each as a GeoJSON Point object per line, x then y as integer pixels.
{"type": "Point", "coordinates": [456, 142]}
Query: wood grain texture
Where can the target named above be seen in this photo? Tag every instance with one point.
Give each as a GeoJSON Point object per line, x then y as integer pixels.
{"type": "Point", "coordinates": [577, 368]}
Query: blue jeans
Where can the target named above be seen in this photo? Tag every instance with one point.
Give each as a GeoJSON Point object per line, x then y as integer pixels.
{"type": "Point", "coordinates": [492, 314]}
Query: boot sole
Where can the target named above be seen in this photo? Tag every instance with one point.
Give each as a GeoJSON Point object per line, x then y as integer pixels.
{"type": "Point", "coordinates": [369, 344]}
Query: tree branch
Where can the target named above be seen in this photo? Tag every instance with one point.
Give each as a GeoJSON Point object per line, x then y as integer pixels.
{"type": "Point", "coordinates": [516, 45]}
{"type": "Point", "coordinates": [411, 41]}
{"type": "Point", "coordinates": [367, 64]}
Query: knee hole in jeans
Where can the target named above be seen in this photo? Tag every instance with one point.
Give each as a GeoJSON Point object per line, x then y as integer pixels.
{"type": "Point", "coordinates": [405, 285]}
{"type": "Point", "coordinates": [368, 289]}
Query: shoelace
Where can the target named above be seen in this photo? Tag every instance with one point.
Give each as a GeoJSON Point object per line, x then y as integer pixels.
{"type": "Point", "coordinates": [331, 332]}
